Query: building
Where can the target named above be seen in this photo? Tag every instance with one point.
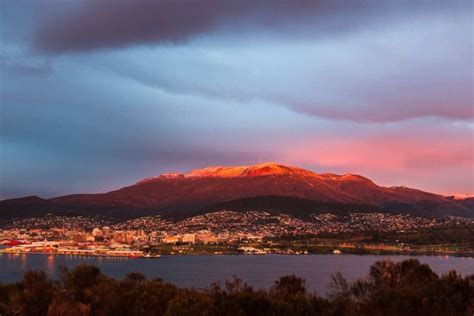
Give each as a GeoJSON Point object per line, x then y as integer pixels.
{"type": "Point", "coordinates": [189, 238]}
{"type": "Point", "coordinates": [79, 237]}
{"type": "Point", "coordinates": [170, 239]}
{"type": "Point", "coordinates": [96, 232]}
{"type": "Point", "coordinates": [207, 237]}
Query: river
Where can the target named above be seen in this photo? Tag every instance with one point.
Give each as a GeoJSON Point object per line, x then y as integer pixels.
{"type": "Point", "coordinates": [201, 271]}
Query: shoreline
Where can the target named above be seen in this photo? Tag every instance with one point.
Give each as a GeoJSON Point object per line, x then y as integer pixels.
{"type": "Point", "coordinates": [410, 254]}
{"type": "Point", "coordinates": [77, 255]}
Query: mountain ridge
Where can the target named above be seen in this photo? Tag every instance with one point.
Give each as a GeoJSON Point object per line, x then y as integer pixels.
{"type": "Point", "coordinates": [203, 188]}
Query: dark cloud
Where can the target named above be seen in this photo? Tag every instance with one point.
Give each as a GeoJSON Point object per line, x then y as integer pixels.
{"type": "Point", "coordinates": [104, 24]}
{"type": "Point", "coordinates": [93, 25]}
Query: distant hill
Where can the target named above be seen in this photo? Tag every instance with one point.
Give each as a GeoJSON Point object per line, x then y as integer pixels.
{"type": "Point", "coordinates": [25, 206]}
{"type": "Point", "coordinates": [263, 186]}
{"type": "Point", "coordinates": [297, 207]}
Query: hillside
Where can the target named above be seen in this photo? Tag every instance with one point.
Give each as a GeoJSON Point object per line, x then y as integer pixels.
{"type": "Point", "coordinates": [205, 188]}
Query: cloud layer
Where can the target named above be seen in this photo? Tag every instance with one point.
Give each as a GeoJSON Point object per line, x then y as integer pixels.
{"type": "Point", "coordinates": [96, 95]}
{"type": "Point", "coordinates": [98, 24]}
{"type": "Point", "coordinates": [88, 25]}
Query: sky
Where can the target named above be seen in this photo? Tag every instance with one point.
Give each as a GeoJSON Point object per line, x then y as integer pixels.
{"type": "Point", "coordinates": [96, 95]}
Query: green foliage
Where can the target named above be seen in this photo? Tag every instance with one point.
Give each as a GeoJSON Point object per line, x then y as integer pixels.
{"type": "Point", "coordinates": [402, 288]}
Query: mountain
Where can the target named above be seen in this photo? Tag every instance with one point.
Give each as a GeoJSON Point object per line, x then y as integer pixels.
{"type": "Point", "coordinates": [247, 186]}
{"type": "Point", "coordinates": [25, 206]}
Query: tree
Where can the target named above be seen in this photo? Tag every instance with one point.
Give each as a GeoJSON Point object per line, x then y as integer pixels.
{"type": "Point", "coordinates": [289, 285]}
{"type": "Point", "coordinates": [33, 294]}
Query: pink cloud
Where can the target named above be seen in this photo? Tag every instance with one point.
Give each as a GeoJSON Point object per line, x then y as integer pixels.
{"type": "Point", "coordinates": [442, 161]}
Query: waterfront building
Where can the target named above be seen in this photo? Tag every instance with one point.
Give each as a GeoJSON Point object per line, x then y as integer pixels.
{"type": "Point", "coordinates": [189, 238]}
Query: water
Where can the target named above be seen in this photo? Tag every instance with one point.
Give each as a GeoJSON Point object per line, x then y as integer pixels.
{"type": "Point", "coordinates": [201, 271]}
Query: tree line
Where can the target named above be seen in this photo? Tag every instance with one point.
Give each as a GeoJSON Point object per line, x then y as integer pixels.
{"type": "Point", "coordinates": [391, 288]}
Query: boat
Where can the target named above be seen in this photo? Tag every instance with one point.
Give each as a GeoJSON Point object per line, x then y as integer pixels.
{"type": "Point", "coordinates": [149, 256]}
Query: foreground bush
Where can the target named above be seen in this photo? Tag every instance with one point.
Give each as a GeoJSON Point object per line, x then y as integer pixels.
{"type": "Point", "coordinates": [403, 288]}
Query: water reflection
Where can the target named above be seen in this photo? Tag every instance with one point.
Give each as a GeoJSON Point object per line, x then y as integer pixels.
{"type": "Point", "coordinates": [50, 265]}
{"type": "Point", "coordinates": [23, 261]}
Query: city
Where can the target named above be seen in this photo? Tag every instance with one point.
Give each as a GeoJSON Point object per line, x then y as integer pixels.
{"type": "Point", "coordinates": [227, 232]}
